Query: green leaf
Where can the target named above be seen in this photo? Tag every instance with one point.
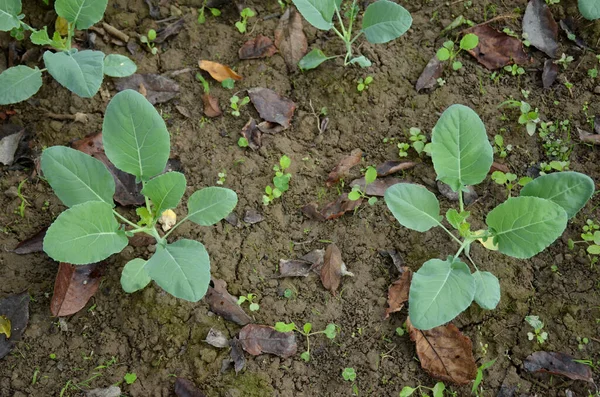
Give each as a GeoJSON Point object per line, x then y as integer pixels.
{"type": "Point", "coordinates": [79, 71]}
{"type": "Point", "coordinates": [318, 13]}
{"type": "Point", "coordinates": [19, 83]}
{"type": "Point", "coordinates": [443, 54]}
{"type": "Point", "coordinates": [525, 226]}
{"type": "Point", "coordinates": [285, 162]}
{"type": "Point", "coordinates": [407, 391]}
{"type": "Point", "coordinates": [182, 269]}
{"type": "Point", "coordinates": [85, 233]}
{"type": "Point", "coordinates": [307, 328]}
{"type": "Point", "coordinates": [570, 190]}
{"type": "Point", "coordinates": [9, 11]}
{"type": "Point", "coordinates": [354, 195]}
{"type": "Point", "coordinates": [440, 291]}
{"type": "Point", "coordinates": [83, 13]}
{"type": "Point", "coordinates": [385, 21]}
{"type": "Point", "coordinates": [413, 206]}
{"type": "Point", "coordinates": [283, 327]}
{"type": "Point", "coordinates": [487, 294]}
{"type": "Point", "coordinates": [165, 191]}
{"type": "Point", "coordinates": [134, 276]}
{"type": "Point", "coordinates": [460, 150]}
{"type": "Point", "coordinates": [305, 356]}
{"type": "Point", "coordinates": [361, 61]}
{"type": "Point", "coordinates": [330, 331]}
{"type": "Point", "coordinates": [438, 389]}
{"type": "Point", "coordinates": [469, 41]}
{"type": "Point", "coordinates": [593, 249]}
{"type": "Point", "coordinates": [455, 218]}
{"type": "Point", "coordinates": [210, 205]}
{"type": "Point", "coordinates": [116, 65]}
{"type": "Point", "coordinates": [590, 9]}
{"type": "Point", "coordinates": [312, 59]}
{"type": "Point", "coordinates": [76, 177]}
{"type": "Point", "coordinates": [370, 175]}
{"type": "Point", "coordinates": [135, 137]}
{"type": "Point", "coordinates": [40, 37]}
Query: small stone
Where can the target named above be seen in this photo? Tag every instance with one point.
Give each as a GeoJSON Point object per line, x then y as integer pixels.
{"type": "Point", "coordinates": [373, 360]}
{"type": "Point", "coordinates": [11, 192]}
{"type": "Point", "coordinates": [252, 216]}
{"type": "Point", "coordinates": [113, 391]}
{"type": "Point", "coordinates": [597, 90]}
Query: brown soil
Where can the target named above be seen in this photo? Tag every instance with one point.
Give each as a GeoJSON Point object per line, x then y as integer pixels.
{"type": "Point", "coordinates": [159, 337]}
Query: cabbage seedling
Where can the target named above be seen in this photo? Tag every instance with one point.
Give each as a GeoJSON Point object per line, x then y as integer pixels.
{"type": "Point", "coordinates": [214, 11]}
{"type": "Point", "coordinates": [136, 141]}
{"type": "Point", "coordinates": [449, 53]}
{"type": "Point", "coordinates": [357, 192]}
{"type": "Point", "coordinates": [81, 72]}
{"type": "Point", "coordinates": [330, 332]}
{"type": "Point", "coordinates": [508, 180]}
{"type": "Point", "coordinates": [537, 325]}
{"type": "Point", "coordinates": [281, 180]}
{"type": "Point", "coordinates": [242, 24]}
{"type": "Point", "coordinates": [149, 41]}
{"type": "Point", "coordinates": [383, 21]}
{"type": "Point", "coordinates": [251, 299]}
{"type": "Point", "coordinates": [363, 84]}
{"type": "Point", "coordinates": [236, 105]}
{"type": "Point", "coordinates": [520, 227]}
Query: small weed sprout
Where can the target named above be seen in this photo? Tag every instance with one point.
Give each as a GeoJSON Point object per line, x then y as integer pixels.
{"type": "Point", "coordinates": [281, 181]}
{"type": "Point", "coordinates": [499, 147]}
{"type": "Point", "coordinates": [242, 142]}
{"type": "Point", "coordinates": [564, 61]}
{"type": "Point", "coordinates": [222, 177]}
{"type": "Point", "coordinates": [349, 374]}
{"type": "Point", "coordinates": [357, 192]}
{"type": "Point", "coordinates": [236, 104]}
{"type": "Point", "coordinates": [403, 149]}
{"type": "Point", "coordinates": [148, 39]}
{"type": "Point", "coordinates": [509, 180]}
{"type": "Point", "coordinates": [529, 118]}
{"type": "Point", "coordinates": [590, 237]}
{"type": "Point", "coordinates": [537, 326]}
{"type": "Point", "coordinates": [582, 342]}
{"type": "Point", "coordinates": [242, 24]}
{"type": "Point", "coordinates": [251, 299]}
{"type": "Point", "coordinates": [202, 17]}
{"type": "Point", "coordinates": [419, 141]}
{"type": "Point", "coordinates": [514, 70]}
{"type": "Point", "coordinates": [24, 203]}
{"type": "Point", "coordinates": [228, 83]}
{"type": "Point", "coordinates": [479, 377]}
{"type": "Point", "coordinates": [555, 165]}
{"type": "Point", "coordinates": [437, 390]}
{"type": "Point", "coordinates": [363, 84]}
{"type": "Point", "coordinates": [205, 85]}
{"type": "Point", "coordinates": [130, 378]}
{"type": "Point", "coordinates": [330, 332]}
{"type": "Point", "coordinates": [449, 53]}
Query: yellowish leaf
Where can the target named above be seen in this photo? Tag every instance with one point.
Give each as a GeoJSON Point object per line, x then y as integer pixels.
{"type": "Point", "coordinates": [61, 26]}
{"type": "Point", "coordinates": [218, 71]}
{"type": "Point", "coordinates": [5, 326]}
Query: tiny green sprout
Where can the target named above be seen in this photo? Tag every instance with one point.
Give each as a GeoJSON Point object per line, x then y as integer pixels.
{"type": "Point", "coordinates": [130, 378]}
{"type": "Point", "coordinates": [148, 39]}
{"type": "Point", "coordinates": [330, 332]}
{"type": "Point", "coordinates": [24, 203]}
{"type": "Point", "coordinates": [201, 12]}
{"type": "Point", "coordinates": [569, 87]}
{"type": "Point", "coordinates": [582, 342]}
{"type": "Point", "coordinates": [546, 168]}
{"type": "Point", "coordinates": [288, 293]}
{"type": "Point", "coordinates": [400, 331]}
{"type": "Point", "coordinates": [357, 192]}
{"type": "Point", "coordinates": [251, 299]}
{"type": "Point", "coordinates": [242, 24]}
{"type": "Point", "coordinates": [593, 73]}
{"type": "Point", "coordinates": [499, 147]}
{"type": "Point", "coordinates": [564, 61]}
{"type": "Point", "coordinates": [52, 356]}
{"type": "Point", "coordinates": [281, 181]}
{"type": "Point", "coordinates": [441, 82]}
{"type": "Point", "coordinates": [403, 149]}
{"type": "Point", "coordinates": [222, 176]}
{"type": "Point", "coordinates": [363, 84]}
{"type": "Point", "coordinates": [419, 141]}
{"type": "Point", "coordinates": [449, 53]}
{"type": "Point", "coordinates": [349, 374]}
{"type": "Point", "coordinates": [537, 326]}
{"type": "Point", "coordinates": [525, 93]}
{"type": "Point", "coordinates": [236, 104]}
{"type": "Point", "coordinates": [205, 85]}
{"type": "Point", "coordinates": [437, 390]}
{"type": "Point", "coordinates": [508, 180]}
{"type": "Point", "coordinates": [514, 70]}
{"type": "Point", "coordinates": [242, 142]}
{"type": "Point", "coordinates": [479, 376]}
{"type": "Point", "coordinates": [529, 118]}
{"type": "Point", "coordinates": [228, 83]}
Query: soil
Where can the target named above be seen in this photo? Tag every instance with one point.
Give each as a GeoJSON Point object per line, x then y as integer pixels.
{"type": "Point", "coordinates": [158, 337]}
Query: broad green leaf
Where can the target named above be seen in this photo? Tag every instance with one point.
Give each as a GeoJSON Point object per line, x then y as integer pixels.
{"type": "Point", "coordinates": [487, 294]}
{"type": "Point", "coordinates": [361, 61]}
{"type": "Point", "coordinates": [9, 11]}
{"type": "Point", "coordinates": [78, 71]}
{"type": "Point", "coordinates": [570, 190]}
{"type": "Point", "coordinates": [83, 13]}
{"type": "Point", "coordinates": [116, 65]}
{"type": "Point", "coordinates": [590, 9]}
{"type": "Point", "coordinates": [182, 269]}
{"type": "Point", "coordinates": [312, 59]}
{"type": "Point", "coordinates": [318, 13]}
{"type": "Point", "coordinates": [283, 327]}
{"type": "Point", "coordinates": [40, 37]}
{"type": "Point", "coordinates": [413, 206]}
{"type": "Point", "coordinates": [19, 83]}
{"type": "Point", "coordinates": [407, 391]}
{"type": "Point", "coordinates": [469, 41]}
{"type": "Point", "coordinates": [460, 150]}
{"type": "Point", "coordinates": [165, 191]}
{"type": "Point", "coordinates": [440, 291]}
{"type": "Point", "coordinates": [85, 233]}
{"type": "Point", "coordinates": [385, 21]}
{"type": "Point", "coordinates": [438, 389]}
{"type": "Point", "coordinates": [134, 276]}
{"type": "Point", "coordinates": [593, 249]}
{"type": "Point", "coordinates": [443, 54]}
{"type": "Point", "coordinates": [77, 178]}
{"type": "Point", "coordinates": [135, 137]}
{"type": "Point", "coordinates": [210, 205]}
{"type": "Point", "coordinates": [524, 226]}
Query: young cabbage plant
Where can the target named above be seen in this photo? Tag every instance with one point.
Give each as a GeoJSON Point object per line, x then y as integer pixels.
{"type": "Point", "coordinates": [81, 72]}
{"type": "Point", "coordinates": [136, 141]}
{"type": "Point", "coordinates": [382, 21]}
{"type": "Point", "coordinates": [520, 227]}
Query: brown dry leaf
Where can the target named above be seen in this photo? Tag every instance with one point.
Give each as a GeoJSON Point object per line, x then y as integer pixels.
{"type": "Point", "coordinates": [169, 30]}
{"type": "Point", "coordinates": [187, 388]}
{"type": "Point", "coordinates": [339, 207]}
{"type": "Point", "coordinates": [216, 338]}
{"type": "Point", "coordinates": [272, 107]}
{"type": "Point", "coordinates": [158, 89]}
{"type": "Point", "coordinates": [259, 47]}
{"type": "Point", "coordinates": [445, 353]}
{"type": "Point", "coordinates": [499, 167]}
{"type": "Point", "coordinates": [258, 339]}
{"type": "Point", "coordinates": [142, 90]}
{"type": "Point", "coordinates": [392, 166]}
{"type": "Point", "coordinates": [497, 49]}
{"type": "Point", "coordinates": [10, 139]}
{"type": "Point", "coordinates": [290, 38]}
{"type": "Point", "coordinates": [396, 259]}
{"type": "Point", "coordinates": [378, 187]}
{"type": "Point", "coordinates": [237, 355]}
{"type": "Point", "coordinates": [341, 170]}
{"type": "Point", "coordinates": [541, 28]}
{"type": "Point", "coordinates": [225, 305]}
{"type": "Point", "coordinates": [34, 243]}
{"type": "Point", "coordinates": [333, 268]}
{"type": "Point", "coordinates": [550, 73]}
{"type": "Point", "coordinates": [91, 144]}
{"type": "Point", "coordinates": [558, 364]}
{"type": "Point", "coordinates": [398, 292]}
{"type": "Point", "coordinates": [432, 72]}
{"type": "Point", "coordinates": [211, 106]}
{"type": "Point", "coordinates": [183, 111]}
{"type": "Point", "coordinates": [74, 286]}
{"type": "Point", "coordinates": [218, 71]}
{"type": "Point", "coordinates": [15, 308]}
{"type": "Point", "coordinates": [587, 137]}
{"type": "Point", "coordinates": [252, 134]}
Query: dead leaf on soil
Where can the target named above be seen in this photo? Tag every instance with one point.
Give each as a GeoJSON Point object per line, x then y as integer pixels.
{"type": "Point", "coordinates": [216, 338]}
{"type": "Point", "coordinates": [15, 308]}
{"type": "Point", "coordinates": [541, 28]}
{"type": "Point", "coordinates": [111, 391]}
{"type": "Point", "coordinates": [272, 107]}
{"type": "Point", "coordinates": [567, 26]}
{"type": "Point", "coordinates": [252, 134]}
{"type": "Point", "coordinates": [183, 111]}
{"type": "Point", "coordinates": [341, 170]}
{"type": "Point", "coordinates": [396, 259]}
{"type": "Point", "coordinates": [398, 292]}
{"type": "Point", "coordinates": [499, 167]}
{"type": "Point", "coordinates": [225, 305]}
{"type": "Point", "coordinates": [169, 30]}
{"type": "Point", "coordinates": [10, 137]}
{"type": "Point", "coordinates": [549, 73]}
{"type": "Point", "coordinates": [211, 106]}
{"type": "Point", "coordinates": [32, 244]}
{"type": "Point", "coordinates": [290, 38]}
{"type": "Point", "coordinates": [259, 47]}
{"type": "Point", "coordinates": [187, 388]}
{"type": "Point", "coordinates": [237, 355]}
{"type": "Point", "coordinates": [331, 210]}
{"type": "Point", "coordinates": [333, 269]}
{"type": "Point", "coordinates": [445, 353]}
{"type": "Point", "coordinates": [378, 187]}
{"type": "Point", "coordinates": [392, 166]}
{"type": "Point", "coordinates": [74, 286]}
{"type": "Point", "coordinates": [158, 89]}
{"type": "Point", "coordinates": [497, 49]}
{"type": "Point", "coordinates": [268, 127]}
{"type": "Point", "coordinates": [558, 364]}
{"type": "Point", "coordinates": [259, 339]}
{"type": "Point", "coordinates": [585, 136]}
{"type": "Point", "coordinates": [432, 72]}
{"type": "Point", "coordinates": [301, 267]}
{"type": "Point", "coordinates": [218, 71]}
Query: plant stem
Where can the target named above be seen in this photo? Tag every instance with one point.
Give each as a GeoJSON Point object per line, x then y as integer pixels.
{"type": "Point", "coordinates": [125, 219]}
{"type": "Point", "coordinates": [464, 245]}
{"type": "Point", "coordinates": [460, 201]}
{"type": "Point", "coordinates": [352, 16]}
{"type": "Point", "coordinates": [70, 32]}
{"type": "Point", "coordinates": [450, 233]}
{"type": "Point", "coordinates": [174, 227]}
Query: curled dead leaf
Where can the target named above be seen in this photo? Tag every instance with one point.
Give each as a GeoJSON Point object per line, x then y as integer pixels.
{"type": "Point", "coordinates": [497, 49]}
{"type": "Point", "coordinates": [398, 292]}
{"type": "Point", "coordinates": [259, 47]}
{"type": "Point", "coordinates": [432, 72]}
{"type": "Point", "coordinates": [218, 71]}
{"type": "Point", "coordinates": [272, 107]}
{"type": "Point", "coordinates": [225, 305]}
{"type": "Point", "coordinates": [290, 38]}
{"type": "Point", "coordinates": [74, 286]}
{"type": "Point", "coordinates": [258, 339]}
{"type": "Point", "coordinates": [211, 106]}
{"type": "Point", "coordinates": [558, 364]}
{"type": "Point", "coordinates": [333, 269]}
{"type": "Point", "coordinates": [341, 170]}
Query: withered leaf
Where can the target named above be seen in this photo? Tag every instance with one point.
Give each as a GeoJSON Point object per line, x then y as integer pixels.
{"type": "Point", "coordinates": [541, 28]}
{"type": "Point", "coordinates": [34, 243]}
{"type": "Point", "coordinates": [445, 353]}
{"type": "Point", "coordinates": [313, 261]}
{"type": "Point", "coordinates": [237, 355]}
{"type": "Point", "coordinates": [183, 111]}
{"type": "Point", "coordinates": [187, 388]}
{"type": "Point", "coordinates": [290, 38]}
{"type": "Point", "coordinates": [127, 191]}
{"type": "Point", "coordinates": [333, 269]}
{"type": "Point", "coordinates": [258, 339]}
{"type": "Point", "coordinates": [216, 338]}
{"type": "Point", "coordinates": [396, 259]}
{"type": "Point", "coordinates": [259, 47]}
{"type": "Point", "coordinates": [398, 292]}
{"type": "Point", "coordinates": [499, 167]}
{"type": "Point", "coordinates": [272, 107]}
{"type": "Point", "coordinates": [218, 71]}
{"type": "Point", "coordinates": [432, 72]}
{"type": "Point", "coordinates": [558, 364]}
{"type": "Point", "coordinates": [378, 187]}
{"type": "Point", "coordinates": [587, 137]}
{"type": "Point", "coordinates": [10, 137]}
{"type": "Point", "coordinates": [16, 309]}
{"type": "Point", "coordinates": [252, 134]}
{"type": "Point", "coordinates": [211, 106]}
{"type": "Point", "coordinates": [392, 166]}
{"type": "Point", "coordinates": [159, 89]}
{"type": "Point", "coordinates": [225, 305]}
{"type": "Point", "coordinates": [90, 144]}
{"type": "Point", "coordinates": [341, 170]}
{"type": "Point", "coordinates": [74, 286]}
{"type": "Point", "coordinates": [169, 30]}
{"type": "Point", "coordinates": [268, 127]}
{"type": "Point", "coordinates": [497, 49]}
{"type": "Point", "coordinates": [567, 26]}
{"type": "Point", "coordinates": [549, 73]}
{"type": "Point", "coordinates": [339, 207]}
